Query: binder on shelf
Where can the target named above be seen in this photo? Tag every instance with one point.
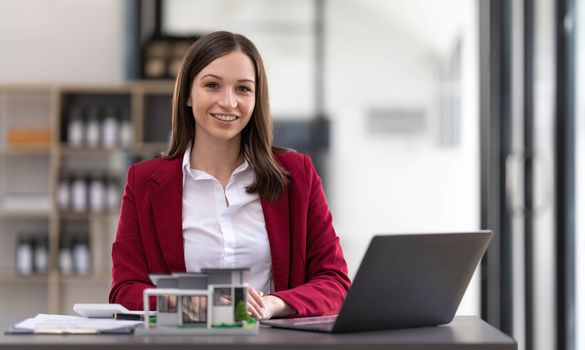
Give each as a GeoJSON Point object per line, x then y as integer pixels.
{"type": "Point", "coordinates": [29, 137]}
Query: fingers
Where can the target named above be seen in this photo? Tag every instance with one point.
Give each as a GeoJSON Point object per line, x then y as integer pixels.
{"type": "Point", "coordinates": [256, 305]}
{"type": "Point", "coordinates": [255, 308]}
{"type": "Point", "coordinates": [257, 296]}
{"type": "Point", "coordinates": [255, 311]}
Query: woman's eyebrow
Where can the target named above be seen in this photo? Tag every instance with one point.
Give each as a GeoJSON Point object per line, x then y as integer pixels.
{"type": "Point", "coordinates": [247, 80]}
{"type": "Point", "coordinates": [220, 78]}
{"type": "Point", "coordinates": [212, 76]}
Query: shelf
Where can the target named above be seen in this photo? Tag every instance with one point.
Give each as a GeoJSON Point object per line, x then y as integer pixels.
{"type": "Point", "coordinates": [16, 278]}
{"type": "Point", "coordinates": [94, 279]}
{"type": "Point", "coordinates": [83, 151]}
{"type": "Point", "coordinates": [25, 151]}
{"type": "Point", "coordinates": [162, 86]}
{"type": "Point", "coordinates": [70, 215]}
{"type": "Point", "coordinates": [29, 170]}
{"type": "Point", "coordinates": [102, 89]}
{"type": "Point", "coordinates": [24, 214]}
{"type": "Point", "coordinates": [147, 147]}
{"type": "Point", "coordinates": [26, 88]}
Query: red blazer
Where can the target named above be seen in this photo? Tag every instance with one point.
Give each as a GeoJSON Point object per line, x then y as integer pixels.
{"type": "Point", "coordinates": [308, 267]}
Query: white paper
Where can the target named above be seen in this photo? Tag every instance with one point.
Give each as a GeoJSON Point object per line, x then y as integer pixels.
{"type": "Point", "coordinates": [65, 323]}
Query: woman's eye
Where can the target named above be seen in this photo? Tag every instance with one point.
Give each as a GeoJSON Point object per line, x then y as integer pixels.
{"type": "Point", "coordinates": [243, 89]}
{"type": "Point", "coordinates": [211, 85]}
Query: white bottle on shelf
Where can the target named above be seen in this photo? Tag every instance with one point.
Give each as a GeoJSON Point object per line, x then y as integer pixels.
{"type": "Point", "coordinates": [126, 137]}
{"type": "Point", "coordinates": [97, 195]}
{"type": "Point", "coordinates": [81, 257]}
{"type": "Point", "coordinates": [24, 256]}
{"type": "Point", "coordinates": [64, 193]}
{"type": "Point", "coordinates": [79, 194]}
{"type": "Point", "coordinates": [93, 127]}
{"type": "Point", "coordinates": [65, 258]}
{"type": "Point", "coordinates": [75, 127]}
{"type": "Point", "coordinates": [110, 129]}
{"type": "Point", "coordinates": [41, 257]}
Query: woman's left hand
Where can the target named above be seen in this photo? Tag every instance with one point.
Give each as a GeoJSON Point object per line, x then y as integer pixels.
{"type": "Point", "coordinates": [256, 306]}
{"type": "Point", "coordinates": [264, 307]}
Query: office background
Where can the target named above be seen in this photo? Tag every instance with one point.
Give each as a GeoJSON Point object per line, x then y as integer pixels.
{"type": "Point", "coordinates": [423, 115]}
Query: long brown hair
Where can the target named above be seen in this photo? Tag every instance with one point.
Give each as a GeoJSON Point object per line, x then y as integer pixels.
{"type": "Point", "coordinates": [257, 136]}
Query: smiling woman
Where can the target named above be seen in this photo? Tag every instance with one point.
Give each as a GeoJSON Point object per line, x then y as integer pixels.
{"type": "Point", "coordinates": [222, 101]}
{"type": "Point", "coordinates": [215, 74]}
{"type": "Point", "coordinates": [223, 197]}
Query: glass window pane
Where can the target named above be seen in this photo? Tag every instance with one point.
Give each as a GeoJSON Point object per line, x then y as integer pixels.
{"type": "Point", "coordinates": [222, 296]}
{"type": "Point", "coordinates": [194, 309]}
{"type": "Point", "coordinates": [167, 303]}
{"type": "Point", "coordinates": [402, 94]}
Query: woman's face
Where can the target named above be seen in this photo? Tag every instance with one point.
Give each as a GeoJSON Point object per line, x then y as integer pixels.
{"type": "Point", "coordinates": [223, 96]}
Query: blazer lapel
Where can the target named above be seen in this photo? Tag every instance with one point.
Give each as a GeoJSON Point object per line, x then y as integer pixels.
{"type": "Point", "coordinates": [167, 208]}
{"type": "Point", "coordinates": [277, 218]}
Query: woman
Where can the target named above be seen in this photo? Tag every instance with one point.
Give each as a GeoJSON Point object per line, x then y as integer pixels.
{"type": "Point", "coordinates": [223, 196]}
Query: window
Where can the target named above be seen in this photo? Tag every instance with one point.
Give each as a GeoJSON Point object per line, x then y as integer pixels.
{"type": "Point", "coordinates": [222, 296]}
{"type": "Point", "coordinates": [194, 309]}
{"type": "Point", "coordinates": [167, 303]}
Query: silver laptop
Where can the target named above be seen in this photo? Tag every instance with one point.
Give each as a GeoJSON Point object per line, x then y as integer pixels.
{"type": "Point", "coordinates": [407, 280]}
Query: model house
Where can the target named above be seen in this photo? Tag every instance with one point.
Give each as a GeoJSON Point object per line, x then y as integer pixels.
{"type": "Point", "coordinates": [213, 298]}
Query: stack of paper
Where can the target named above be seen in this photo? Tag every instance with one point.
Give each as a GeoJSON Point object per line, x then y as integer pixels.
{"type": "Point", "coordinates": [63, 324]}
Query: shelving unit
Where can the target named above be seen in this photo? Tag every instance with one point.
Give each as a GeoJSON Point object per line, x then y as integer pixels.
{"type": "Point", "coordinates": [30, 173]}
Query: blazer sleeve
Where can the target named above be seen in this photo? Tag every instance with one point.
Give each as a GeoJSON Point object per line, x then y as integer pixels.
{"type": "Point", "coordinates": [129, 265]}
{"type": "Point", "coordinates": [327, 279]}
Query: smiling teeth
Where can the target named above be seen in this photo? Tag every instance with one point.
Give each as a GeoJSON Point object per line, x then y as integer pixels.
{"type": "Point", "coordinates": [225, 117]}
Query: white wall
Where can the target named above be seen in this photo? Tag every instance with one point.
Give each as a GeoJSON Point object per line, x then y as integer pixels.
{"type": "Point", "coordinates": [61, 41]}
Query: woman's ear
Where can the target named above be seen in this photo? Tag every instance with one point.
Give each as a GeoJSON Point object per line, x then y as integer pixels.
{"type": "Point", "coordinates": [189, 102]}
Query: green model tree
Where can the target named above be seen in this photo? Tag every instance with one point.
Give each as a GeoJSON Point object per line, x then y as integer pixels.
{"type": "Point", "coordinates": [241, 313]}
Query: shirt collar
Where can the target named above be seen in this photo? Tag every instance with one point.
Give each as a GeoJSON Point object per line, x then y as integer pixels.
{"type": "Point", "coordinates": [186, 167]}
{"type": "Point", "coordinates": [187, 160]}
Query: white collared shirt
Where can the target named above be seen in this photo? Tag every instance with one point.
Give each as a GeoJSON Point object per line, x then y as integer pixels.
{"type": "Point", "coordinates": [216, 235]}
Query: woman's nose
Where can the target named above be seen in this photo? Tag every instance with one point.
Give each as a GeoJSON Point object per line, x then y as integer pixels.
{"type": "Point", "coordinates": [228, 99]}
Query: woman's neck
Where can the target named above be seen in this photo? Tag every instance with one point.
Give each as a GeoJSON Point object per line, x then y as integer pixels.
{"type": "Point", "coordinates": [219, 159]}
